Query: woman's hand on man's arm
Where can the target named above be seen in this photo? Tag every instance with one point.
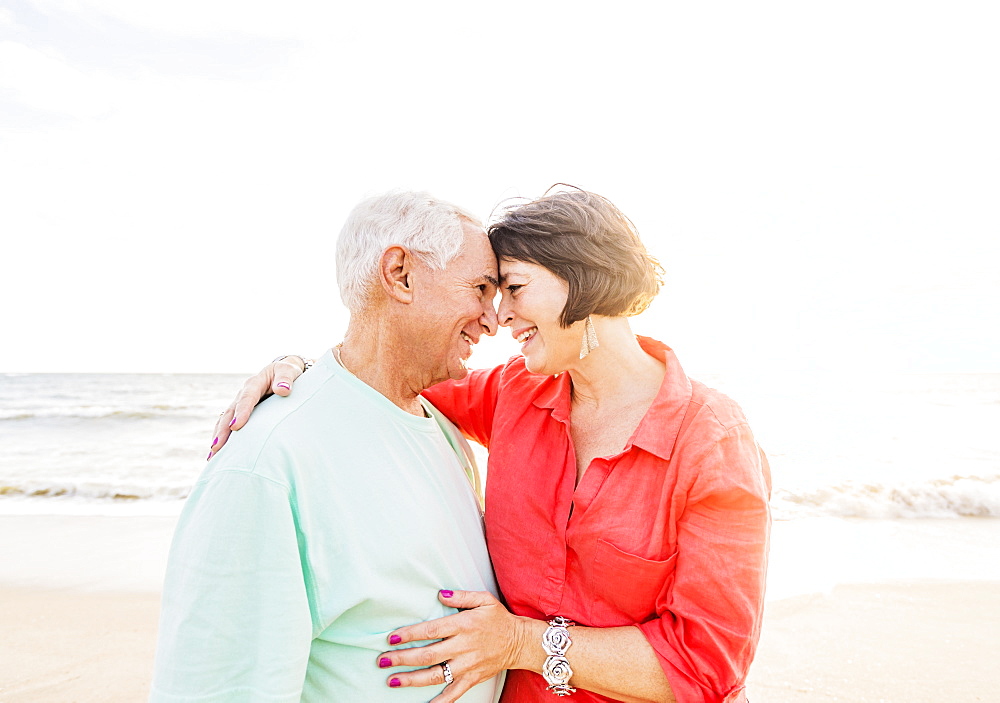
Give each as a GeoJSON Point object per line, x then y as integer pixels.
{"type": "Point", "coordinates": [275, 378]}
{"type": "Point", "coordinates": [484, 638]}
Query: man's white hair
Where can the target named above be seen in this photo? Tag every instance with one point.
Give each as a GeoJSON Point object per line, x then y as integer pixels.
{"type": "Point", "coordinates": [428, 227]}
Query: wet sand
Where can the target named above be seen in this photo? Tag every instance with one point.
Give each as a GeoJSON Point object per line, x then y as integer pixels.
{"type": "Point", "coordinates": [79, 599]}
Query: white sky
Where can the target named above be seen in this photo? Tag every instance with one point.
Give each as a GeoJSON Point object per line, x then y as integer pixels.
{"type": "Point", "coordinates": [820, 180]}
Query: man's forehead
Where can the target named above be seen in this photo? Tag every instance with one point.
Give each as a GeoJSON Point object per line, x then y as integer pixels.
{"type": "Point", "coordinates": [487, 274]}
{"type": "Point", "coordinates": [480, 253]}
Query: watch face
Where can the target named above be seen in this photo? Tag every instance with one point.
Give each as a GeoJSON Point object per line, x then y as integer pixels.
{"type": "Point", "coordinates": [557, 671]}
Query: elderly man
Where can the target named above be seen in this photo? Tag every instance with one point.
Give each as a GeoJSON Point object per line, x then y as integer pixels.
{"type": "Point", "coordinates": [338, 512]}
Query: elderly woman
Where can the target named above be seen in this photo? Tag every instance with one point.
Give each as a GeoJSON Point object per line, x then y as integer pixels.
{"type": "Point", "coordinates": [626, 505]}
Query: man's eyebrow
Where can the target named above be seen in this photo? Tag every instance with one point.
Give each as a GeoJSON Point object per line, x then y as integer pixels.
{"type": "Point", "coordinates": [492, 281]}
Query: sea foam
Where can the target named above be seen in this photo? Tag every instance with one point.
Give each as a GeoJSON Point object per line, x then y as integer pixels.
{"type": "Point", "coordinates": [958, 496]}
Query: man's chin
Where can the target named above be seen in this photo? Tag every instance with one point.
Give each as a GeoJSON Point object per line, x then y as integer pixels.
{"type": "Point", "coordinates": [459, 371]}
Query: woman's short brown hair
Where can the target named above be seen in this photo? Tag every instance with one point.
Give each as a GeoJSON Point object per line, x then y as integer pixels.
{"type": "Point", "coordinates": [589, 243]}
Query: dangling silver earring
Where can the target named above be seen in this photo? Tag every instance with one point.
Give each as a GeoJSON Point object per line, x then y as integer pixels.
{"type": "Point", "coordinates": [590, 342]}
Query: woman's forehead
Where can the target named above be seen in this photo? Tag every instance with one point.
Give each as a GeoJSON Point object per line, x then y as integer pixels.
{"type": "Point", "coordinates": [522, 271]}
{"type": "Point", "coordinates": [511, 266]}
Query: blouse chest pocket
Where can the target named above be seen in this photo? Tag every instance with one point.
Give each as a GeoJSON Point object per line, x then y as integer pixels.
{"type": "Point", "coordinates": [629, 585]}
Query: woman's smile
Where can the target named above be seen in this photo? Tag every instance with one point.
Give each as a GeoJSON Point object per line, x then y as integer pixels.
{"type": "Point", "coordinates": [523, 336]}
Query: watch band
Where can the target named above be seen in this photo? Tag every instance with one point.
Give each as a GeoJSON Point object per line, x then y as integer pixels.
{"type": "Point", "coordinates": [556, 670]}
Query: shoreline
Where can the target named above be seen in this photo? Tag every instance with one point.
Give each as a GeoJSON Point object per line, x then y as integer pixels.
{"type": "Point", "coordinates": [857, 610]}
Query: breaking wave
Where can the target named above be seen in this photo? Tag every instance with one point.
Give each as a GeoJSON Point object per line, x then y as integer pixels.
{"type": "Point", "coordinates": [94, 491]}
{"type": "Point", "coordinates": [105, 412]}
{"type": "Point", "coordinates": [959, 496]}
{"type": "Point", "coordinates": [955, 497]}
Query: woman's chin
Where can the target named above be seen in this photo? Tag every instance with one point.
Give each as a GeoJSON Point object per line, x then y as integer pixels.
{"type": "Point", "coordinates": [535, 363]}
{"type": "Point", "coordinates": [531, 364]}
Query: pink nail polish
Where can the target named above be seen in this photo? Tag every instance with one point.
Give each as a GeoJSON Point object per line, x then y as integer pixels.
{"type": "Point", "coordinates": [446, 593]}
{"type": "Point", "coordinates": [209, 456]}
{"type": "Point", "coordinates": [215, 441]}
{"type": "Point", "coordinates": [233, 421]}
{"type": "Point", "coordinates": [284, 385]}
{"type": "Point", "coordinates": [395, 683]}
{"type": "Point", "coordinates": [384, 663]}
{"type": "Point", "coordinates": [395, 639]}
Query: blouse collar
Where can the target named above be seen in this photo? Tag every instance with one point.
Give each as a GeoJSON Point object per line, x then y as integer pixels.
{"type": "Point", "coordinates": [657, 431]}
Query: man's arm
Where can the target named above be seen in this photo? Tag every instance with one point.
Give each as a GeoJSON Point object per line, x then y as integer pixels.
{"type": "Point", "coordinates": [235, 623]}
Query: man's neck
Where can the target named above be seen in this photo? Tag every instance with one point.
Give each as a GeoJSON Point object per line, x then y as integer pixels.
{"type": "Point", "coordinates": [379, 358]}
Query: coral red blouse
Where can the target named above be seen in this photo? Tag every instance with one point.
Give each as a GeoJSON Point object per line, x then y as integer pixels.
{"type": "Point", "coordinates": [670, 535]}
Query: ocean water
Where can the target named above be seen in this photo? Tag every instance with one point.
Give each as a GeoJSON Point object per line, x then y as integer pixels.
{"type": "Point", "coordinates": [888, 446]}
{"type": "Point", "coordinates": [68, 441]}
{"type": "Point", "coordinates": [896, 447]}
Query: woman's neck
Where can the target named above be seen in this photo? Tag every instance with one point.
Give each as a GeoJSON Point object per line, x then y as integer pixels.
{"type": "Point", "coordinates": [618, 370]}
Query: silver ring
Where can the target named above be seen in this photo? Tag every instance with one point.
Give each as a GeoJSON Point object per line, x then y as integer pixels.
{"type": "Point", "coordinates": [448, 678]}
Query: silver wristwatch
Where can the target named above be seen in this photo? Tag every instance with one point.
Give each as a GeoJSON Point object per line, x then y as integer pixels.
{"type": "Point", "coordinates": [556, 670]}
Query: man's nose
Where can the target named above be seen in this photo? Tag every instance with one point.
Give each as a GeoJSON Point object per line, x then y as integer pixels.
{"type": "Point", "coordinates": [489, 319]}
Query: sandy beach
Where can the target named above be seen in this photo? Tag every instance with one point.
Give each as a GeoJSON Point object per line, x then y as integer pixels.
{"type": "Point", "coordinates": [79, 601]}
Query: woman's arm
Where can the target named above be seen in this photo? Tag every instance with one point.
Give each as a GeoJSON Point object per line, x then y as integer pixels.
{"type": "Point", "coordinates": [710, 616]}
{"type": "Point", "coordinates": [485, 638]}
{"type": "Point", "coordinates": [469, 403]}
{"type": "Point", "coordinates": [275, 378]}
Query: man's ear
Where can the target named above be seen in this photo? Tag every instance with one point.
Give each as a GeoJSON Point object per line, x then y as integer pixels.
{"type": "Point", "coordinates": [395, 273]}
